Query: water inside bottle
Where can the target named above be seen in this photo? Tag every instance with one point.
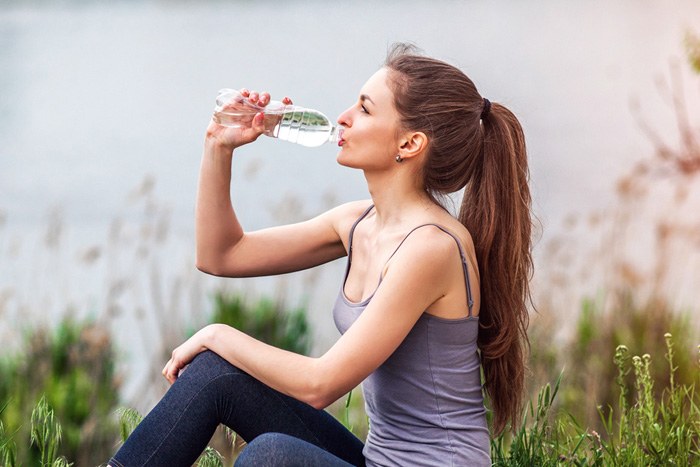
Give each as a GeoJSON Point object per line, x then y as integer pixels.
{"type": "Point", "coordinates": [306, 127]}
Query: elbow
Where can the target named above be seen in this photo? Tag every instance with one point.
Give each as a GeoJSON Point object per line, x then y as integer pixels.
{"type": "Point", "coordinates": [207, 258]}
{"type": "Point", "coordinates": [320, 401]}
{"type": "Point", "coordinates": [216, 272]}
{"type": "Point", "coordinates": [218, 263]}
{"type": "Point", "coordinates": [201, 262]}
{"type": "Point", "coordinates": [203, 266]}
{"type": "Point", "coordinates": [322, 392]}
{"type": "Point", "coordinates": [319, 405]}
{"type": "Point", "coordinates": [209, 263]}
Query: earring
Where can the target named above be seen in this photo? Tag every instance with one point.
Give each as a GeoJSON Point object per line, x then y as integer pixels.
{"type": "Point", "coordinates": [399, 159]}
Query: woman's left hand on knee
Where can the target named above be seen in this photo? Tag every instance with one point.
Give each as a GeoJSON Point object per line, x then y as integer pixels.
{"type": "Point", "coordinates": [184, 354]}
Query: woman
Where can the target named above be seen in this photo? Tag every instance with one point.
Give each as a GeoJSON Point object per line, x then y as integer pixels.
{"type": "Point", "coordinates": [427, 301]}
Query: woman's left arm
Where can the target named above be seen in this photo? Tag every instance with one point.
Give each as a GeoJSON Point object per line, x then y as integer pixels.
{"type": "Point", "coordinates": [415, 279]}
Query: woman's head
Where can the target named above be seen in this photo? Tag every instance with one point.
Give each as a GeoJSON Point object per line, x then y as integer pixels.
{"type": "Point", "coordinates": [479, 146]}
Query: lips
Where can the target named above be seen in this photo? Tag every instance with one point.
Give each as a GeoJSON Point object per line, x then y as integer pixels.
{"type": "Point", "coordinates": [341, 141]}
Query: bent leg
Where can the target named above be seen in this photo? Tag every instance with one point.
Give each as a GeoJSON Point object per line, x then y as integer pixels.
{"type": "Point", "coordinates": [212, 391]}
{"type": "Point", "coordinates": [280, 450]}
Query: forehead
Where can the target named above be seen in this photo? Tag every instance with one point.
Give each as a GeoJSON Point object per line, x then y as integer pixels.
{"type": "Point", "coordinates": [377, 87]}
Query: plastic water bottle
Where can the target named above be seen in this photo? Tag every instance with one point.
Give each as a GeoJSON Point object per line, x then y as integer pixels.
{"type": "Point", "coordinates": [291, 123]}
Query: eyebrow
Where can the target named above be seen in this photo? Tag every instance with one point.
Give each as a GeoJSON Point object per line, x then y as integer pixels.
{"type": "Point", "coordinates": [365, 97]}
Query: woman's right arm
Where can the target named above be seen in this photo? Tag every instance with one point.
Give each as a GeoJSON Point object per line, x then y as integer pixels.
{"type": "Point", "coordinates": [225, 249]}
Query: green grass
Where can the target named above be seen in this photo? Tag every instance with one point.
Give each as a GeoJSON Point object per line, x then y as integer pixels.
{"type": "Point", "coordinates": [646, 429]}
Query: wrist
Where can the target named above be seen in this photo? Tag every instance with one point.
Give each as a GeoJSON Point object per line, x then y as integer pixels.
{"type": "Point", "coordinates": [215, 146]}
{"type": "Point", "coordinates": [208, 336]}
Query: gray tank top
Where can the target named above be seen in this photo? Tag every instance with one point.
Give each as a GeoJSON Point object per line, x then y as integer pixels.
{"type": "Point", "coordinates": [424, 403]}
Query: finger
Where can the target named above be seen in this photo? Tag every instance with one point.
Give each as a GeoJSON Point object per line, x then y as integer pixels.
{"type": "Point", "coordinates": [167, 370]}
{"type": "Point", "coordinates": [245, 92]}
{"type": "Point", "coordinates": [287, 101]}
{"type": "Point", "coordinates": [259, 122]}
{"type": "Point", "coordinates": [171, 374]}
{"type": "Point", "coordinates": [264, 98]}
{"type": "Point", "coordinates": [254, 96]}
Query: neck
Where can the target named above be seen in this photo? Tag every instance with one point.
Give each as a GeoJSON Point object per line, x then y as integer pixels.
{"type": "Point", "coordinates": [396, 196]}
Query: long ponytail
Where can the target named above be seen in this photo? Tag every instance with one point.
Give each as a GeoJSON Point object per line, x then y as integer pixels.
{"type": "Point", "coordinates": [481, 150]}
{"type": "Point", "coordinates": [496, 210]}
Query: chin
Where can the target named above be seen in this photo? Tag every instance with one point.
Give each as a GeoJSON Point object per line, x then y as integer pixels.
{"type": "Point", "coordinates": [345, 161]}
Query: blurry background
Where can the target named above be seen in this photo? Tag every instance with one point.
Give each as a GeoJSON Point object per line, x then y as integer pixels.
{"type": "Point", "coordinates": [103, 106]}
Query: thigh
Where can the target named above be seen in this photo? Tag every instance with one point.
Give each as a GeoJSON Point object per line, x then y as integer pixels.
{"type": "Point", "coordinates": [280, 450]}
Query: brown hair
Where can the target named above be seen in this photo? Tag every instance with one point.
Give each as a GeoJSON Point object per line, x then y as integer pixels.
{"type": "Point", "coordinates": [485, 156]}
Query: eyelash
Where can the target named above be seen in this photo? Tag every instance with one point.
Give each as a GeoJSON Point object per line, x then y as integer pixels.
{"type": "Point", "coordinates": [364, 109]}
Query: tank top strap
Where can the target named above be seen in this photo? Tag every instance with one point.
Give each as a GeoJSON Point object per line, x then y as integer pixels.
{"type": "Point", "coordinates": [352, 231]}
{"type": "Point", "coordinates": [465, 268]}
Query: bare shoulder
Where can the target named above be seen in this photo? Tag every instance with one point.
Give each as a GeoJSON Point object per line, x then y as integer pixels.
{"type": "Point", "coordinates": [352, 209]}
{"type": "Point", "coordinates": [342, 217]}
{"type": "Point", "coordinates": [456, 228]}
{"type": "Point", "coordinates": [465, 238]}
{"type": "Point", "coordinates": [441, 243]}
{"type": "Point", "coordinates": [424, 263]}
{"type": "Point", "coordinates": [432, 244]}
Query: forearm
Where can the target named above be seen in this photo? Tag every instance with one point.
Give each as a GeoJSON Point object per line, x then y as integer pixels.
{"type": "Point", "coordinates": [296, 375]}
{"type": "Point", "coordinates": [217, 227]}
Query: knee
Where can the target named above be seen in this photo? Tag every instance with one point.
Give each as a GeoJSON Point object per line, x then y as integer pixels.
{"type": "Point", "coordinates": [208, 366]}
{"type": "Point", "coordinates": [206, 358]}
{"type": "Point", "coordinates": [211, 361]}
{"type": "Point", "coordinates": [268, 449]}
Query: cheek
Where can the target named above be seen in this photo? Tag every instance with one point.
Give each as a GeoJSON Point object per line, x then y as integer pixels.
{"type": "Point", "coordinates": [385, 143]}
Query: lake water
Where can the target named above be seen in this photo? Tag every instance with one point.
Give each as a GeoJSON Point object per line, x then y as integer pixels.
{"type": "Point", "coordinates": [103, 106]}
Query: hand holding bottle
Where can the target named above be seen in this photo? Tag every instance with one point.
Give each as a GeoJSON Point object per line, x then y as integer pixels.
{"type": "Point", "coordinates": [307, 127]}
{"type": "Point", "coordinates": [249, 110]}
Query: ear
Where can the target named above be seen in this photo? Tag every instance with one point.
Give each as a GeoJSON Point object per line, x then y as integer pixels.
{"type": "Point", "coordinates": [412, 144]}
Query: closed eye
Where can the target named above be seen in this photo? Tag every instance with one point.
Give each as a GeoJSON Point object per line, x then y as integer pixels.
{"type": "Point", "coordinates": [363, 98]}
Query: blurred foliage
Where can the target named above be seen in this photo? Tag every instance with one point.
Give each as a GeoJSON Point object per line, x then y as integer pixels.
{"type": "Point", "coordinates": [656, 201]}
{"type": "Point", "coordinates": [73, 369]}
{"type": "Point", "coordinates": [266, 320]}
{"type": "Point", "coordinates": [589, 374]}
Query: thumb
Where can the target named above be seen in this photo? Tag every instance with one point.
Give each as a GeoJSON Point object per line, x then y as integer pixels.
{"type": "Point", "coordinates": [259, 122]}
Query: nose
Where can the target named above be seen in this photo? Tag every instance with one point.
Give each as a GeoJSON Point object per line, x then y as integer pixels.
{"type": "Point", "coordinates": [344, 118]}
